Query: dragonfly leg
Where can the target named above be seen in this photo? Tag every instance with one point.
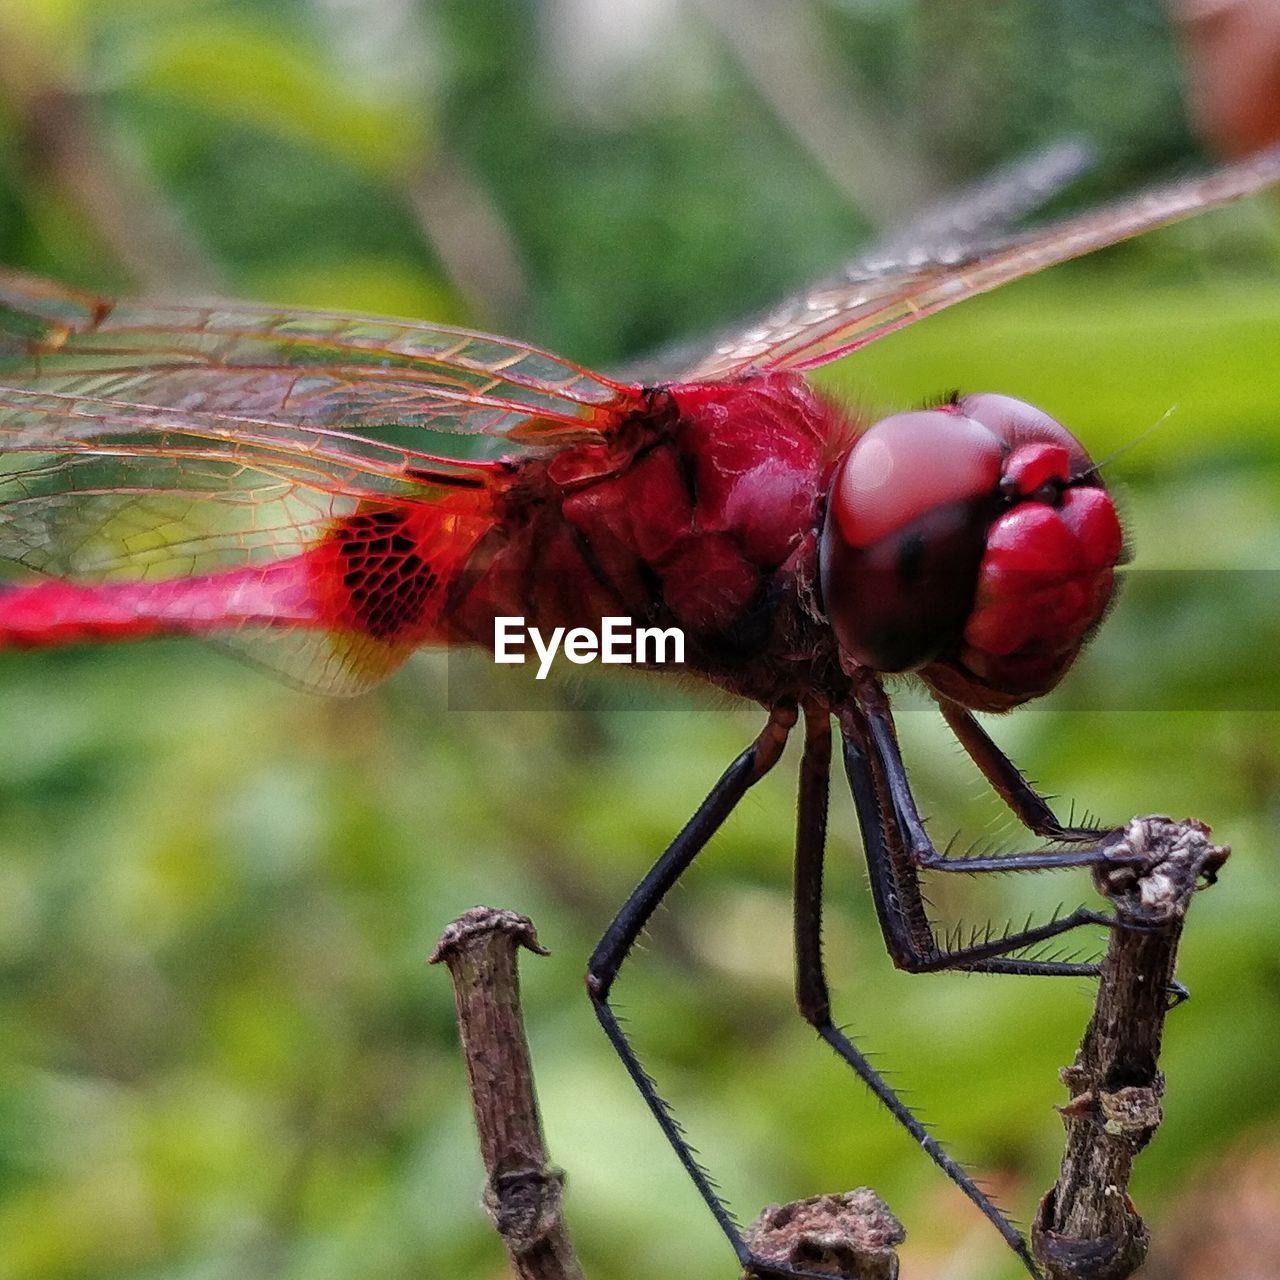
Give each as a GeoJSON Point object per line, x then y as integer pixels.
{"type": "Point", "coordinates": [894, 870]}
{"type": "Point", "coordinates": [895, 882]}
{"type": "Point", "coordinates": [1007, 780]}
{"type": "Point", "coordinates": [612, 950]}
{"type": "Point", "coordinates": [812, 994]}
{"type": "Point", "coordinates": [882, 745]}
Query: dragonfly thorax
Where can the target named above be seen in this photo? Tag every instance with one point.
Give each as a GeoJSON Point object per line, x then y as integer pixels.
{"type": "Point", "coordinates": [973, 543]}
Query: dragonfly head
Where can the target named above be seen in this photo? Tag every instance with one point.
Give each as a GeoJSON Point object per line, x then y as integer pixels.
{"type": "Point", "coordinates": [973, 543]}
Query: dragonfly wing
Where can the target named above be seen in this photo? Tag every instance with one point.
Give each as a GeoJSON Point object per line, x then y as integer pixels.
{"type": "Point", "coordinates": [321, 555]}
{"type": "Point", "coordinates": [316, 369]}
{"type": "Point", "coordinates": [872, 299]}
{"type": "Point", "coordinates": [270, 480]}
{"type": "Point", "coordinates": [41, 312]}
{"type": "Point", "coordinates": [987, 207]}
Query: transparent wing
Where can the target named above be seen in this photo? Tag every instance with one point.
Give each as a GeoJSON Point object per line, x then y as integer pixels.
{"type": "Point", "coordinates": [270, 480]}
{"type": "Point", "coordinates": [991, 206]}
{"type": "Point", "coordinates": [299, 369]}
{"type": "Point", "coordinates": [158, 520]}
{"type": "Point", "coordinates": [988, 207]}
{"type": "Point", "coordinates": [874, 298]}
{"type": "Point", "coordinates": [70, 468]}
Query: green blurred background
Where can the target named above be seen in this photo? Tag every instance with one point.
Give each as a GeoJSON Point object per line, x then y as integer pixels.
{"type": "Point", "coordinates": [222, 1055]}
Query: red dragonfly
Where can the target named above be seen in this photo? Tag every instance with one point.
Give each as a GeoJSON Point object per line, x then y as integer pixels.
{"type": "Point", "coordinates": [274, 481]}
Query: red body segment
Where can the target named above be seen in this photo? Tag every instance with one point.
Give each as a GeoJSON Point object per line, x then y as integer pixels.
{"type": "Point", "coordinates": [703, 515]}
{"type": "Point", "coordinates": [54, 613]}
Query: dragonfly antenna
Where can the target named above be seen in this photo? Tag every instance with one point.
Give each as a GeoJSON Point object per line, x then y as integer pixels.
{"type": "Point", "coordinates": [1133, 444]}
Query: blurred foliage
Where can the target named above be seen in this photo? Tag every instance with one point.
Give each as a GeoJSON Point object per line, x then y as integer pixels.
{"type": "Point", "coordinates": [222, 1054]}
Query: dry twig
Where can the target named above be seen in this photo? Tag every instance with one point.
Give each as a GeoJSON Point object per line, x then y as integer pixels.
{"type": "Point", "coordinates": [522, 1195]}
{"type": "Point", "coordinates": [1087, 1227]}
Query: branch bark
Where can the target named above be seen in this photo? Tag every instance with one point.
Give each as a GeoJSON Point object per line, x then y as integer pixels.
{"type": "Point", "coordinates": [849, 1237]}
{"type": "Point", "coordinates": [1087, 1228]}
{"type": "Point", "coordinates": [522, 1194]}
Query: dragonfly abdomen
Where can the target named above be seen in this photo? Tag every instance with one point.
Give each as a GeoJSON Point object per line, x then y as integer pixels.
{"type": "Point", "coordinates": [57, 612]}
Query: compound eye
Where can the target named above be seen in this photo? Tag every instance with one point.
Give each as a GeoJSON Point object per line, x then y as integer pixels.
{"type": "Point", "coordinates": [912, 464]}
{"type": "Point", "coordinates": [1015, 422]}
{"type": "Point", "coordinates": [906, 522]}
{"type": "Point", "coordinates": [908, 465]}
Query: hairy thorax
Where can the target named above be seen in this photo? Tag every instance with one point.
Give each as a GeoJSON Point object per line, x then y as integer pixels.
{"type": "Point", "coordinates": [702, 512]}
